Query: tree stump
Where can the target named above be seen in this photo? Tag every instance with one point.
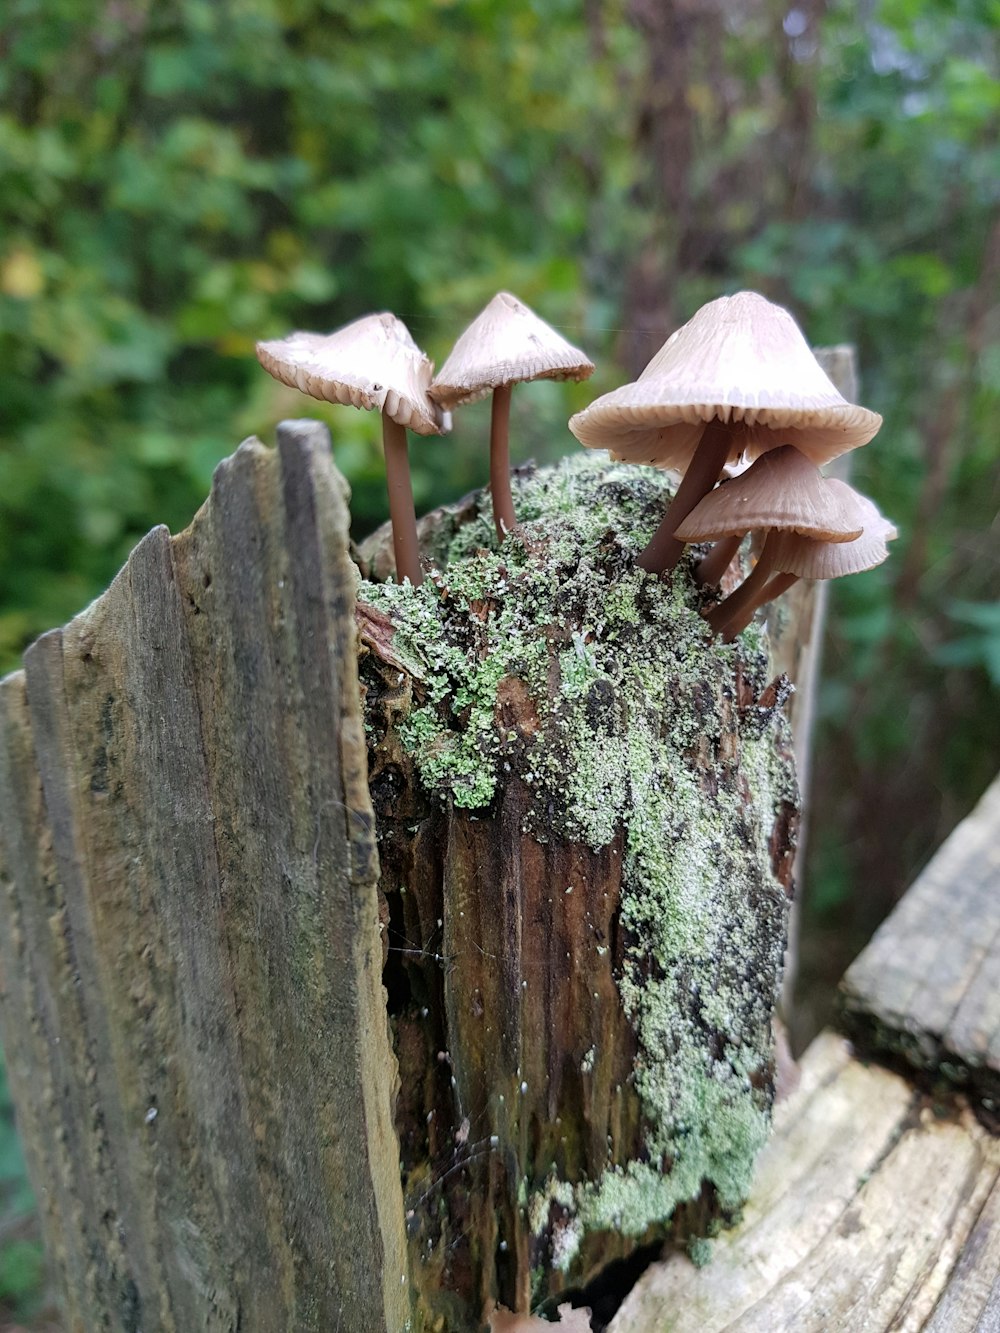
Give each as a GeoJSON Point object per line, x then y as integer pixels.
{"type": "Point", "coordinates": [585, 814]}
{"type": "Point", "coordinates": [585, 817]}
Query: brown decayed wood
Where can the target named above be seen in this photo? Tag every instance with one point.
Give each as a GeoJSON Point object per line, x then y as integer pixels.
{"type": "Point", "coordinates": [516, 1055]}
{"type": "Point", "coordinates": [210, 982]}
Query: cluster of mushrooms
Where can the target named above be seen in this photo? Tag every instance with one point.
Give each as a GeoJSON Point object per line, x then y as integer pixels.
{"type": "Point", "coordinates": [734, 400]}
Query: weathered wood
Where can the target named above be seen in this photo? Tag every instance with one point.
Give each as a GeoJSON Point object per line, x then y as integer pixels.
{"type": "Point", "coordinates": [203, 1033]}
{"type": "Point", "coordinates": [872, 1209]}
{"type": "Point", "coordinates": [926, 990]}
{"type": "Point", "coordinates": [49, 1050]}
{"type": "Point", "coordinates": [795, 627]}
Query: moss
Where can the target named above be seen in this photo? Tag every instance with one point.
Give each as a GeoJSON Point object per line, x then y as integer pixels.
{"type": "Point", "coordinates": [641, 733]}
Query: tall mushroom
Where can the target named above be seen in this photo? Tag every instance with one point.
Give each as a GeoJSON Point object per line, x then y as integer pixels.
{"type": "Point", "coordinates": [374, 364]}
{"type": "Point", "coordinates": [506, 344]}
{"type": "Point", "coordinates": [738, 378]}
{"type": "Point", "coordinates": [793, 556]}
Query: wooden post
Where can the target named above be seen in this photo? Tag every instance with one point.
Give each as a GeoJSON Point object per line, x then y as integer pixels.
{"type": "Point", "coordinates": [577, 1070]}
{"type": "Point", "coordinates": [192, 1005]}
{"type": "Point", "coordinates": [795, 637]}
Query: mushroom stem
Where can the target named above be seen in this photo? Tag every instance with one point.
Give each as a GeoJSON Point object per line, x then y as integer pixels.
{"type": "Point", "coordinates": [738, 623]}
{"type": "Point", "coordinates": [402, 514]}
{"type": "Point", "coordinates": [503, 504]}
{"type": "Point", "coordinates": [718, 560]}
{"type": "Point", "coordinates": [704, 470]}
{"type": "Point", "coordinates": [746, 594]}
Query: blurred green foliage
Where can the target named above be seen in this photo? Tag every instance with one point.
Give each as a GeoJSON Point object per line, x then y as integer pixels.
{"type": "Point", "coordinates": [181, 177]}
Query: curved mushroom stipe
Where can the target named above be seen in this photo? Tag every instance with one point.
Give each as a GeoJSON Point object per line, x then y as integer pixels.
{"type": "Point", "coordinates": [402, 514]}
{"type": "Point", "coordinates": [747, 593]}
{"type": "Point", "coordinates": [705, 469]}
{"type": "Point", "coordinates": [779, 584]}
{"type": "Point", "coordinates": [504, 517]}
{"type": "Point", "coordinates": [711, 569]}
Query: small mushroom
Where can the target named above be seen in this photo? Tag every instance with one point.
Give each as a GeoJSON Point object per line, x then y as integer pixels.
{"type": "Point", "coordinates": [372, 363]}
{"type": "Point", "coordinates": [781, 492]}
{"type": "Point", "coordinates": [793, 556]}
{"type": "Point", "coordinates": [780, 489]}
{"type": "Point", "coordinates": [506, 344]}
{"type": "Point", "coordinates": [738, 378]}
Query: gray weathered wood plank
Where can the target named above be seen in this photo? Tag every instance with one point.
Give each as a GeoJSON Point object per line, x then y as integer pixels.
{"type": "Point", "coordinates": [215, 1021]}
{"type": "Point", "coordinates": [869, 1211]}
{"type": "Point", "coordinates": [927, 987]}
{"type": "Point", "coordinates": [47, 1042]}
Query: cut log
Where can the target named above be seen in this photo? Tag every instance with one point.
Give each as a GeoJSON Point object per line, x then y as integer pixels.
{"type": "Point", "coordinates": [926, 990]}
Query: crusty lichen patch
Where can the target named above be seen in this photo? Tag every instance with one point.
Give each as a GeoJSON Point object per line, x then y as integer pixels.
{"type": "Point", "coordinates": [638, 722]}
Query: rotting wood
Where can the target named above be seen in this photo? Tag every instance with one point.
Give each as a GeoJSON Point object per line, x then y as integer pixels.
{"type": "Point", "coordinates": [872, 1209]}
{"type": "Point", "coordinates": [203, 837]}
{"type": "Point", "coordinates": [926, 990]}
{"type": "Point", "coordinates": [191, 987]}
{"type": "Point", "coordinates": [524, 1140]}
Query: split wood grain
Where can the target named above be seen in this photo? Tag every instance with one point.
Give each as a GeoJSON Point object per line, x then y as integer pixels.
{"type": "Point", "coordinates": [868, 1212]}
{"type": "Point", "coordinates": [927, 987]}
{"type": "Point", "coordinates": [191, 985]}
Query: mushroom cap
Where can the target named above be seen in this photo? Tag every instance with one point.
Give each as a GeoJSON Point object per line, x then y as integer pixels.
{"type": "Point", "coordinates": [795, 554]}
{"type": "Point", "coordinates": [741, 359]}
{"type": "Point", "coordinates": [783, 490]}
{"type": "Point", "coordinates": [372, 363]}
{"type": "Point", "coordinates": [505, 344]}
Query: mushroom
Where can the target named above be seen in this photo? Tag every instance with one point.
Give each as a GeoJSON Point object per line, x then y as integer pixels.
{"type": "Point", "coordinates": [738, 378]}
{"type": "Point", "coordinates": [793, 556]}
{"type": "Point", "coordinates": [372, 363]}
{"type": "Point", "coordinates": [780, 489]}
{"type": "Point", "coordinates": [506, 344]}
{"type": "Point", "coordinates": [781, 492]}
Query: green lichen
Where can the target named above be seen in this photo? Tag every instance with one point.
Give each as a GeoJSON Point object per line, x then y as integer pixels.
{"type": "Point", "coordinates": [699, 1251]}
{"type": "Point", "coordinates": [642, 734]}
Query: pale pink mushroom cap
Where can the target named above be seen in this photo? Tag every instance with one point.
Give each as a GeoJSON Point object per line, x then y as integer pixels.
{"type": "Point", "coordinates": [782, 490]}
{"type": "Point", "coordinates": [373, 363]}
{"type": "Point", "coordinates": [742, 360]}
{"type": "Point", "coordinates": [506, 343]}
{"type": "Point", "coordinates": [795, 554]}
